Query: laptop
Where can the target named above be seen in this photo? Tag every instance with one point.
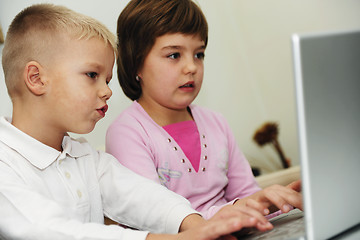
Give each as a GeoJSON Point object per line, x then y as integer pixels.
{"type": "Point", "coordinates": [327, 84]}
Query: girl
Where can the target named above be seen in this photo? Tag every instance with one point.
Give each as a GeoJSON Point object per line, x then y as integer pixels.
{"type": "Point", "coordinates": [162, 135]}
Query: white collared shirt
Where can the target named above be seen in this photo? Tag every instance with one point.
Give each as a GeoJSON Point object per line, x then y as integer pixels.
{"type": "Point", "coordinates": [48, 194]}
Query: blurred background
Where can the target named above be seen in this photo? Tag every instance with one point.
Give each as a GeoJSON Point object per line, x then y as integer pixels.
{"type": "Point", "coordinates": [248, 64]}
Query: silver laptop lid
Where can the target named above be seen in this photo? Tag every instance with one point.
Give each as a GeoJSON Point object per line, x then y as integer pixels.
{"type": "Point", "coordinates": [327, 79]}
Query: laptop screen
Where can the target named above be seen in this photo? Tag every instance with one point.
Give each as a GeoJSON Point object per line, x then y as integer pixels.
{"type": "Point", "coordinates": [327, 78]}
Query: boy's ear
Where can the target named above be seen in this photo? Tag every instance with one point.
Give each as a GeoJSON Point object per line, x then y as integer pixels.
{"type": "Point", "coordinates": [33, 78]}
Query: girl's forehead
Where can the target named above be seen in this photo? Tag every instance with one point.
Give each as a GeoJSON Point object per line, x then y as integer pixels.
{"type": "Point", "coordinates": [179, 39]}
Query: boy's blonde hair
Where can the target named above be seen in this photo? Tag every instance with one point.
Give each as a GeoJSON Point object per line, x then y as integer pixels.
{"type": "Point", "coordinates": [36, 29]}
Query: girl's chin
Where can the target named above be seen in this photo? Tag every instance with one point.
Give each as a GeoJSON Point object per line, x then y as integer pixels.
{"type": "Point", "coordinates": [185, 104]}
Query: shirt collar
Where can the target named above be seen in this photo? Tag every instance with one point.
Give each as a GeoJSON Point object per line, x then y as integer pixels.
{"type": "Point", "coordinates": [37, 153]}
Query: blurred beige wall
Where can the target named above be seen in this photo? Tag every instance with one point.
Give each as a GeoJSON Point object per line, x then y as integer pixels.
{"type": "Point", "coordinates": [248, 64]}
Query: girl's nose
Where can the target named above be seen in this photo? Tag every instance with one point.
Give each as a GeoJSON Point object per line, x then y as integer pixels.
{"type": "Point", "coordinates": [190, 66]}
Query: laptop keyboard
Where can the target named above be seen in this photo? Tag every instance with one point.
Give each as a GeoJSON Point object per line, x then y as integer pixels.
{"type": "Point", "coordinates": [286, 226]}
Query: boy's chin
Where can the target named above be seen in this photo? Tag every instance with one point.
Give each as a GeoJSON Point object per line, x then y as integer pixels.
{"type": "Point", "coordinates": [84, 130]}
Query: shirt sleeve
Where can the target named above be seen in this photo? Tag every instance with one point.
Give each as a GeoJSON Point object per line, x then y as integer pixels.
{"type": "Point", "coordinates": [31, 215]}
{"type": "Point", "coordinates": [146, 205]}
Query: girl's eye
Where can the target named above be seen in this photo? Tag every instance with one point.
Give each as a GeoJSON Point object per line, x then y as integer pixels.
{"type": "Point", "coordinates": [174, 55]}
{"type": "Point", "coordinates": [92, 74]}
{"type": "Point", "coordinates": [200, 55]}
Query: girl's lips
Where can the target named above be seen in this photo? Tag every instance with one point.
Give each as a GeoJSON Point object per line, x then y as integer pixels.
{"type": "Point", "coordinates": [103, 110]}
{"type": "Point", "coordinates": [189, 86]}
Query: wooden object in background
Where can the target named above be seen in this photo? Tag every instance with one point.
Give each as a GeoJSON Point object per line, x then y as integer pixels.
{"type": "Point", "coordinates": [268, 133]}
{"type": "Point", "coordinates": [1, 35]}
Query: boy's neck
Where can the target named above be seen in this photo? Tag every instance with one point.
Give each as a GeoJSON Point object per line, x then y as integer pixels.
{"type": "Point", "coordinates": [37, 129]}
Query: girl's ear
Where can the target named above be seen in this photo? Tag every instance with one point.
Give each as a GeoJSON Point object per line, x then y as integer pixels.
{"type": "Point", "coordinates": [33, 78]}
{"type": "Point", "coordinates": [138, 77]}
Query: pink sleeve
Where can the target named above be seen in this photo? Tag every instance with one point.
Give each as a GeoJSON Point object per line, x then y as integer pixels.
{"type": "Point", "coordinates": [127, 141]}
{"type": "Point", "coordinates": [242, 182]}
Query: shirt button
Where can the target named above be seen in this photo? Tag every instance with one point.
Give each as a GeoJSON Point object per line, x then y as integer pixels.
{"type": "Point", "coordinates": [203, 169]}
{"type": "Point", "coordinates": [205, 146]}
{"type": "Point", "coordinates": [79, 193]}
{"type": "Point", "coordinates": [67, 175]}
{"type": "Point", "coordinates": [205, 157]}
{"type": "Point", "coordinates": [175, 148]}
{"type": "Point", "coordinates": [203, 136]}
{"type": "Point", "coordinates": [183, 160]}
{"type": "Point", "coordinates": [169, 140]}
{"type": "Point", "coordinates": [189, 169]}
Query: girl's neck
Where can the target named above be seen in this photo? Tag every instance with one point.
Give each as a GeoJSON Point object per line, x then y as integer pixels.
{"type": "Point", "coordinates": [164, 116]}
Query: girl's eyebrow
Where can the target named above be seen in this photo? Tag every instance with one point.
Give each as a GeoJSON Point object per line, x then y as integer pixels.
{"type": "Point", "coordinates": [180, 47]}
{"type": "Point", "coordinates": [171, 47]}
{"type": "Point", "coordinates": [202, 47]}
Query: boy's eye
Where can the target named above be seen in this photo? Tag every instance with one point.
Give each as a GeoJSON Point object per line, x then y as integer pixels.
{"type": "Point", "coordinates": [200, 55]}
{"type": "Point", "coordinates": [92, 74]}
{"type": "Point", "coordinates": [174, 55]}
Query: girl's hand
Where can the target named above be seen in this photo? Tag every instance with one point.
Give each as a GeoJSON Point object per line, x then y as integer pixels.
{"type": "Point", "coordinates": [281, 197]}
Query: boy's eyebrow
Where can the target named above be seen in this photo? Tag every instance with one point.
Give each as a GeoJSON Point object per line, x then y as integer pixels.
{"type": "Point", "coordinates": [95, 65]}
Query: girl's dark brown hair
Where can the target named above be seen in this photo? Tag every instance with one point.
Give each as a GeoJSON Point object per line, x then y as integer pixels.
{"type": "Point", "coordinates": [138, 26]}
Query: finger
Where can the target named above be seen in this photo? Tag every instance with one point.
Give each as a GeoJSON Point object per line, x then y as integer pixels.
{"type": "Point", "coordinates": [264, 227]}
{"type": "Point", "coordinates": [285, 198]}
{"type": "Point", "coordinates": [253, 212]}
{"type": "Point", "coordinates": [249, 214]}
{"type": "Point", "coordinates": [292, 196]}
{"type": "Point", "coordinates": [246, 215]}
{"type": "Point", "coordinates": [217, 228]}
{"type": "Point", "coordinates": [240, 212]}
{"type": "Point", "coordinates": [296, 185]}
{"type": "Point", "coordinates": [250, 217]}
{"type": "Point", "coordinates": [277, 196]}
{"type": "Point", "coordinates": [261, 207]}
{"type": "Point", "coordinates": [272, 194]}
{"type": "Point", "coordinates": [263, 223]}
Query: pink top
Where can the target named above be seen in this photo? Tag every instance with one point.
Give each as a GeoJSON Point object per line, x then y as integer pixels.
{"type": "Point", "coordinates": [187, 136]}
{"type": "Point", "coordinates": [145, 147]}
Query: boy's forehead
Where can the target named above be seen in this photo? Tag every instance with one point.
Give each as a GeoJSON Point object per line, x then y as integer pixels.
{"type": "Point", "coordinates": [92, 49]}
{"type": "Point", "coordinates": [69, 40]}
{"type": "Point", "coordinates": [75, 51]}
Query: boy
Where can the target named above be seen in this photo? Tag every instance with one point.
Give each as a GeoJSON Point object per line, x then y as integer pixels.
{"type": "Point", "coordinates": [57, 66]}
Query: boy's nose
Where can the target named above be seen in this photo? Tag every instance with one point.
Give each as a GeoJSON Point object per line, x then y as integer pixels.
{"type": "Point", "coordinates": [106, 92]}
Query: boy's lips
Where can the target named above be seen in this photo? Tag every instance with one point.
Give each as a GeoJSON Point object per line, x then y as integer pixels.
{"type": "Point", "coordinates": [103, 110]}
